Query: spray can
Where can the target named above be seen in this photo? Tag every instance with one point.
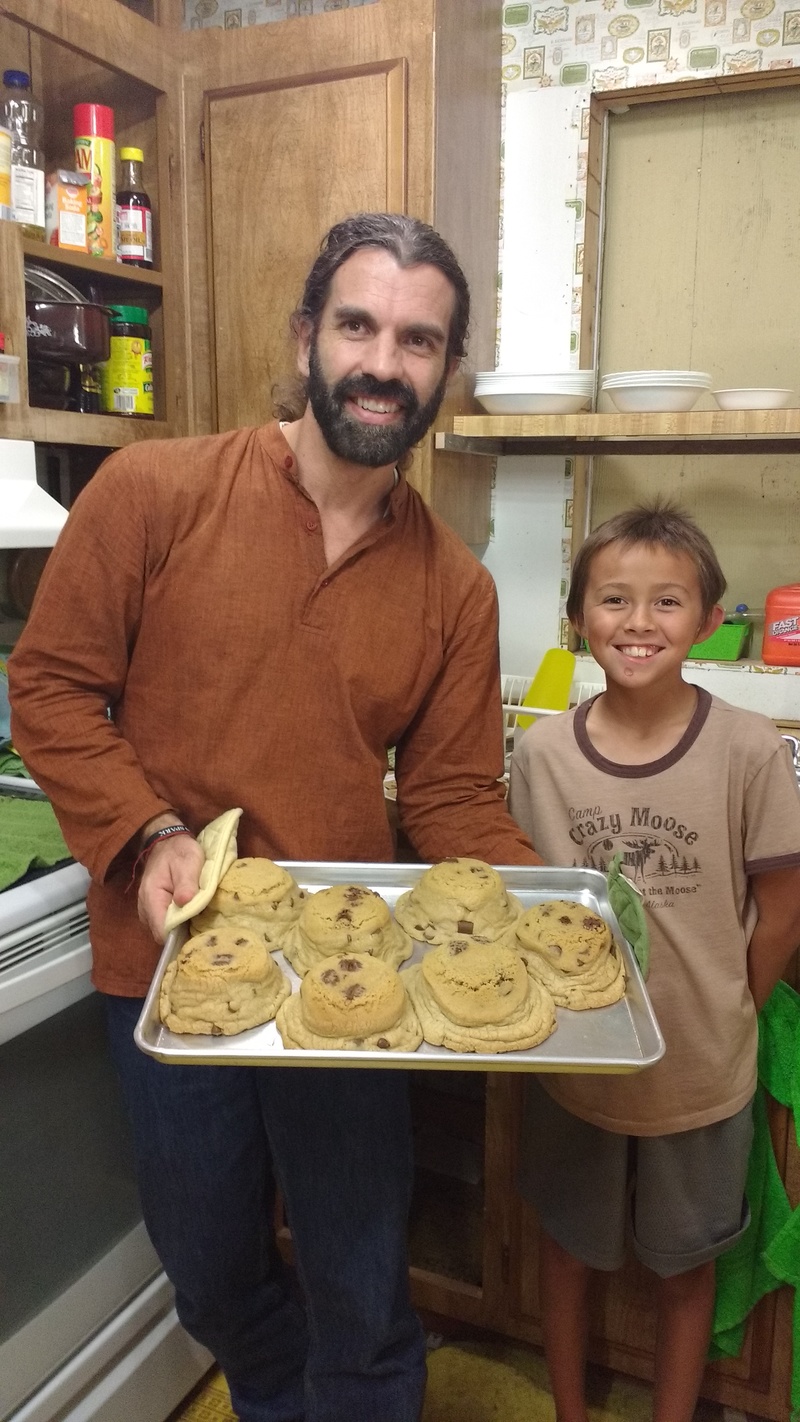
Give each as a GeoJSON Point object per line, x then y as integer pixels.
{"type": "Point", "coordinates": [95, 154]}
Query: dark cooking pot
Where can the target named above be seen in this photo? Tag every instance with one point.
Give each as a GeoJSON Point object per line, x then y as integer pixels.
{"type": "Point", "coordinates": [75, 332]}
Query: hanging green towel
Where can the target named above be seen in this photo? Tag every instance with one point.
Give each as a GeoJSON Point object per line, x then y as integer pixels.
{"type": "Point", "coordinates": [29, 838]}
{"type": "Point", "coordinates": [627, 905]}
{"type": "Point", "coordinates": [768, 1254]}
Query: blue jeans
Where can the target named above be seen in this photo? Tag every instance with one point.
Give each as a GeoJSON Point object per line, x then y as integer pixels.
{"type": "Point", "coordinates": [211, 1143]}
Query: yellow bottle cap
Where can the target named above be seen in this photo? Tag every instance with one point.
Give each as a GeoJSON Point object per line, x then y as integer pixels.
{"type": "Point", "coordinates": [131, 155]}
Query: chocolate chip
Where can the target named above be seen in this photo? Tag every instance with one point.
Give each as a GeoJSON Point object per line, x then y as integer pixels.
{"type": "Point", "coordinates": [382, 1042]}
{"type": "Point", "coordinates": [236, 896]}
{"type": "Point", "coordinates": [354, 894]}
{"type": "Point", "coordinates": [349, 965]}
{"type": "Point", "coordinates": [565, 918]}
{"type": "Point", "coordinates": [212, 942]}
{"type": "Point", "coordinates": [216, 1031]}
{"type": "Point", "coordinates": [457, 947]}
{"type": "Point", "coordinates": [274, 904]}
{"type": "Point", "coordinates": [590, 922]}
{"type": "Point", "coordinates": [330, 977]}
{"type": "Point", "coordinates": [478, 938]}
{"type": "Point", "coordinates": [353, 991]}
{"type": "Point", "coordinates": [239, 941]}
{"type": "Point", "coordinates": [220, 959]}
{"type": "Point", "coordinates": [345, 916]}
{"type": "Point", "coordinates": [464, 925]}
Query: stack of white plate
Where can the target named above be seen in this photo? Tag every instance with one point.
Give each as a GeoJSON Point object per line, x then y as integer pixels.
{"type": "Point", "coordinates": [633, 390]}
{"type": "Point", "coordinates": [511, 392]}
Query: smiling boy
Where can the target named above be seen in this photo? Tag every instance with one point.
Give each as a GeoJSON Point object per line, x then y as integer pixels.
{"type": "Point", "coordinates": [701, 799]}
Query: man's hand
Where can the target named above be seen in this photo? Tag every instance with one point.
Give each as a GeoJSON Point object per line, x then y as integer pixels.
{"type": "Point", "coordinates": [171, 872]}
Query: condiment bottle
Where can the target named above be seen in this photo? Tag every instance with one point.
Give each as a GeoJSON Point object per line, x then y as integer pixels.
{"type": "Point", "coordinates": [134, 213]}
{"type": "Point", "coordinates": [126, 378]}
{"type": "Point", "coordinates": [23, 118]}
{"type": "Point", "coordinates": [95, 154]}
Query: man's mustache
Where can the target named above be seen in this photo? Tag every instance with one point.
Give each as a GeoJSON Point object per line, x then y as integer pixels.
{"type": "Point", "coordinates": [372, 389]}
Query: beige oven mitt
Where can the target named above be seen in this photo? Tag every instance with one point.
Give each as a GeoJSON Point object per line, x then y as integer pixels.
{"type": "Point", "coordinates": [218, 842]}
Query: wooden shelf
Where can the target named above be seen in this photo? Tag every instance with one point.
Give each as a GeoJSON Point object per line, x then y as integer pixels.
{"type": "Point", "coordinates": [695, 432]}
{"type": "Point", "coordinates": [96, 266]}
{"type": "Point", "coordinates": [66, 427]}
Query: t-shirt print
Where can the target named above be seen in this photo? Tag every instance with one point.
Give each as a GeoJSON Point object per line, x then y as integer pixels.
{"type": "Point", "coordinates": [661, 853]}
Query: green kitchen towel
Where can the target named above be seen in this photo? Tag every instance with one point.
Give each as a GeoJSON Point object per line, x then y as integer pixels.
{"type": "Point", "coordinates": [11, 763]}
{"type": "Point", "coordinates": [627, 905]}
{"type": "Point", "coordinates": [768, 1254]}
{"type": "Point", "coordinates": [29, 837]}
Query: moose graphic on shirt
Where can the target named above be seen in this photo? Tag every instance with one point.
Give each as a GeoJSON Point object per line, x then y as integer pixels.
{"type": "Point", "coordinates": [656, 848]}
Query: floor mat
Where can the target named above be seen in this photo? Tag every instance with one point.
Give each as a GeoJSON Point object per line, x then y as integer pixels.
{"type": "Point", "coordinates": [477, 1382]}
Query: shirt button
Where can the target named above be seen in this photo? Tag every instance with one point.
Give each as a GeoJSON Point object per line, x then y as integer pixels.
{"type": "Point", "coordinates": [311, 525]}
{"type": "Point", "coordinates": [288, 462]}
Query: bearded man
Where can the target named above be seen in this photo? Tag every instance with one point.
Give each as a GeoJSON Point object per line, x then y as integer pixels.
{"type": "Point", "coordinates": [203, 595]}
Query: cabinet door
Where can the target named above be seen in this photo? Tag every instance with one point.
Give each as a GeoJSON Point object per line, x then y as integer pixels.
{"type": "Point", "coordinates": [281, 170]}
{"type": "Point", "coordinates": [392, 105]}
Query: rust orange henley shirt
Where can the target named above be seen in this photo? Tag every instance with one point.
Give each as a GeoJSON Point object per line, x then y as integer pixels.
{"type": "Point", "coordinates": [189, 649]}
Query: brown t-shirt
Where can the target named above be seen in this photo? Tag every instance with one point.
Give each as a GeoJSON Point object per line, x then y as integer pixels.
{"type": "Point", "coordinates": [189, 594]}
{"type": "Point", "coordinates": [693, 827]}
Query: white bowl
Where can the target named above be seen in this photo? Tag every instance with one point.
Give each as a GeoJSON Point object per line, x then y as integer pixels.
{"type": "Point", "coordinates": [631, 399]}
{"type": "Point", "coordinates": [533, 387]}
{"type": "Point", "coordinates": [753, 399]}
{"type": "Point", "coordinates": [569, 375]}
{"type": "Point", "coordinates": [658, 377]}
{"type": "Point", "coordinates": [528, 403]}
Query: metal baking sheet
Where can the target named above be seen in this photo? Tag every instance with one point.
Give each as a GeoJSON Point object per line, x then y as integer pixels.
{"type": "Point", "coordinates": [624, 1037]}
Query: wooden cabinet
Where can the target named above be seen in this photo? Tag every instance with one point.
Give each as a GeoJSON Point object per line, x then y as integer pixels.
{"type": "Point", "coordinates": [497, 1288]}
{"type": "Point", "coordinates": [255, 142]}
{"type": "Point", "coordinates": [392, 106]}
{"type": "Point", "coordinates": [104, 54]}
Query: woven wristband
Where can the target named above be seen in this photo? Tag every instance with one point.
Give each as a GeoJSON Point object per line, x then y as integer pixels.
{"type": "Point", "coordinates": [152, 839]}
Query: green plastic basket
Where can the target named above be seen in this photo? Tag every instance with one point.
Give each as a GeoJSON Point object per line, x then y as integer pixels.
{"type": "Point", "coordinates": [730, 641]}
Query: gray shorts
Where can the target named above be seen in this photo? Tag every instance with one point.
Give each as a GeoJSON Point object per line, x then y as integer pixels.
{"type": "Point", "coordinates": [682, 1195]}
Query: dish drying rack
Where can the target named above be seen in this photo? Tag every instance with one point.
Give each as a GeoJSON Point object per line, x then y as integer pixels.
{"type": "Point", "coordinates": [513, 690]}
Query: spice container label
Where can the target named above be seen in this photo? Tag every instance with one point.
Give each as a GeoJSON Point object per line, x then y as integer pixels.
{"type": "Point", "coordinates": [65, 210]}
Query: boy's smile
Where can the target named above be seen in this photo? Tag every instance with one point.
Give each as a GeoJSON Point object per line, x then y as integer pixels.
{"type": "Point", "coordinates": [642, 612]}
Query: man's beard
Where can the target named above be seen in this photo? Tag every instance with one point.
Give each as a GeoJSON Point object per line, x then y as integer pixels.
{"type": "Point", "coordinates": [372, 445]}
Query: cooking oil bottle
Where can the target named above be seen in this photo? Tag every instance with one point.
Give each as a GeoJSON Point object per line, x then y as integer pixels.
{"type": "Point", "coordinates": [23, 117]}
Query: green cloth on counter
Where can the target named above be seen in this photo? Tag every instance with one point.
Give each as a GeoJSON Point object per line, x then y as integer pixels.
{"type": "Point", "coordinates": [29, 838]}
{"type": "Point", "coordinates": [628, 907]}
{"type": "Point", "coordinates": [11, 763]}
{"type": "Point", "coordinates": [768, 1254]}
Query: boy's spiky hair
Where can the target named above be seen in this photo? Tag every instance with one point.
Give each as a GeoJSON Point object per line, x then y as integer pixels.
{"type": "Point", "coordinates": [661, 524]}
